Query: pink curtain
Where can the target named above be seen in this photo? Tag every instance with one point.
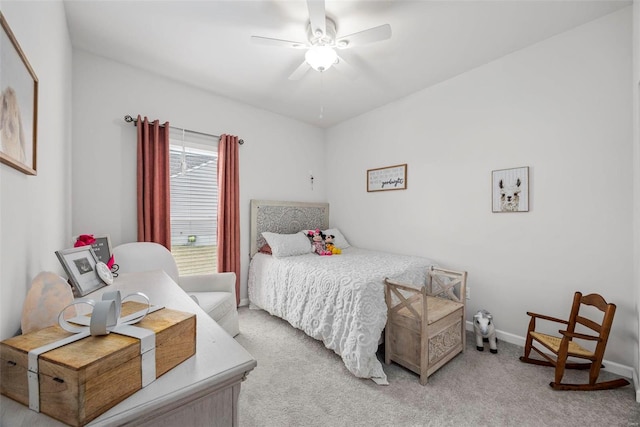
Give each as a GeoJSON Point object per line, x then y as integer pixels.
{"type": "Point", "coordinates": [229, 208]}
{"type": "Point", "coordinates": [154, 220]}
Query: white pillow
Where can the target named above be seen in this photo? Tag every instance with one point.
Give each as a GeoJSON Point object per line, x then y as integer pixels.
{"type": "Point", "coordinates": [339, 239]}
{"type": "Point", "coordinates": [283, 245]}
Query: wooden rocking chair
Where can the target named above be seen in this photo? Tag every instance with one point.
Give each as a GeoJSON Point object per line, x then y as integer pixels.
{"type": "Point", "coordinates": [565, 346]}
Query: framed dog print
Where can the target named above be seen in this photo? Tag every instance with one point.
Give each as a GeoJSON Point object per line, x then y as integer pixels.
{"type": "Point", "coordinates": [387, 178]}
{"type": "Point", "coordinates": [80, 264]}
{"type": "Point", "coordinates": [510, 190]}
{"type": "Point", "coordinates": [18, 105]}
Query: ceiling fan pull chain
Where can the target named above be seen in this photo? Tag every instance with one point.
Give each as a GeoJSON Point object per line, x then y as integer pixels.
{"type": "Point", "coordinates": [321, 116]}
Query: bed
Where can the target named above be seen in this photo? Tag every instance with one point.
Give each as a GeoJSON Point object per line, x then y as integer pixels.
{"type": "Point", "coordinates": [337, 299]}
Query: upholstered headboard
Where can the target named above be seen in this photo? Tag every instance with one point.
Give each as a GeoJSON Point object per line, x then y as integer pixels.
{"type": "Point", "coordinates": [285, 218]}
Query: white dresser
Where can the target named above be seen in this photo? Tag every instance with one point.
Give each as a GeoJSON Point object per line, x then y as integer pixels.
{"type": "Point", "coordinates": [202, 391]}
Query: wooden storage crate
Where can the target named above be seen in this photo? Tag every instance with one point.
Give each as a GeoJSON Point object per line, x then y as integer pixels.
{"type": "Point", "coordinates": [81, 380]}
{"type": "Point", "coordinates": [426, 326]}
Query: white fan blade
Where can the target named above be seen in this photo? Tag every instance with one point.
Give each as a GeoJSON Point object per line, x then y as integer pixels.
{"type": "Point", "coordinates": [300, 71]}
{"type": "Point", "coordinates": [375, 34]}
{"type": "Point", "coordinates": [267, 41]}
{"type": "Point", "coordinates": [317, 16]}
{"type": "Point", "coordinates": [344, 67]}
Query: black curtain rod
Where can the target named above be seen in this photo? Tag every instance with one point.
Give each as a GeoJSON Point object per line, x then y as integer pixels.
{"type": "Point", "coordinates": [130, 119]}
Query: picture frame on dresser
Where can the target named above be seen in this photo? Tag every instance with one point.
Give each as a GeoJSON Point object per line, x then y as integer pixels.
{"type": "Point", "coordinates": [80, 264]}
{"type": "Point", "coordinates": [19, 105]}
{"type": "Point", "coordinates": [102, 248]}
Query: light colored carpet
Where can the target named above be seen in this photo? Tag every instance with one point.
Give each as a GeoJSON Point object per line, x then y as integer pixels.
{"type": "Point", "coordinates": [299, 382]}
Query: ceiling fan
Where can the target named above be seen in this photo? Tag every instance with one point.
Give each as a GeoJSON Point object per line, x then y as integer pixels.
{"type": "Point", "coordinates": [322, 42]}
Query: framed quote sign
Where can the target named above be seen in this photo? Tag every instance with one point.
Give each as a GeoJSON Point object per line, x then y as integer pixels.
{"type": "Point", "coordinates": [387, 178]}
{"type": "Point", "coordinates": [102, 248]}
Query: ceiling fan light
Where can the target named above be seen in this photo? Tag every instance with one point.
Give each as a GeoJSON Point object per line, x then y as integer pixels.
{"type": "Point", "coordinates": [321, 58]}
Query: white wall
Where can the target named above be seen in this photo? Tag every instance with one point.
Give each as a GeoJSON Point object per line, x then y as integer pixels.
{"type": "Point", "coordinates": [563, 107]}
{"type": "Point", "coordinates": [35, 215]}
{"type": "Point", "coordinates": [274, 161]}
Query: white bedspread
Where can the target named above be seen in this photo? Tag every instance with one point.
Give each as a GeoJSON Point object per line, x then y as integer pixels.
{"type": "Point", "coordinates": [337, 299]}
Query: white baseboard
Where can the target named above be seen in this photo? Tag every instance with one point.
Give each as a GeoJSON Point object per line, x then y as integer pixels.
{"type": "Point", "coordinates": [243, 302]}
{"type": "Point", "coordinates": [613, 367]}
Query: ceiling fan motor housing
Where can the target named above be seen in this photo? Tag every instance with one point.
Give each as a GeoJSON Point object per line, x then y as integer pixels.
{"type": "Point", "coordinates": [319, 39]}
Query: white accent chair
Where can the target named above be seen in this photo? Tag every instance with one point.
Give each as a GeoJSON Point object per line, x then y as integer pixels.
{"type": "Point", "coordinates": [215, 293]}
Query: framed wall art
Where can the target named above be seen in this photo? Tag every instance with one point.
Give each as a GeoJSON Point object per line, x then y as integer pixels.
{"type": "Point", "coordinates": [80, 265]}
{"type": "Point", "coordinates": [510, 190]}
{"type": "Point", "coordinates": [18, 106]}
{"type": "Point", "coordinates": [387, 178]}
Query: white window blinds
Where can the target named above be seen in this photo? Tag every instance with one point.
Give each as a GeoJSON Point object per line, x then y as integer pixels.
{"type": "Point", "coordinates": [193, 162]}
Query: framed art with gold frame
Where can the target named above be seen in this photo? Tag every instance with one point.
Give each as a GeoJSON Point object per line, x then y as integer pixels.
{"type": "Point", "coordinates": [18, 106]}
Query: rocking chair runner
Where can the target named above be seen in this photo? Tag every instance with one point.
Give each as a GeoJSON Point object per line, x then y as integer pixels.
{"type": "Point", "coordinates": [565, 346]}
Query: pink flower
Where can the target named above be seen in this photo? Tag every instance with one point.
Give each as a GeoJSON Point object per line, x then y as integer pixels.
{"type": "Point", "coordinates": [84, 240]}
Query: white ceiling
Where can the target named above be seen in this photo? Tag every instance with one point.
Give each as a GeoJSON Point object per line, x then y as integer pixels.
{"type": "Point", "coordinates": [207, 44]}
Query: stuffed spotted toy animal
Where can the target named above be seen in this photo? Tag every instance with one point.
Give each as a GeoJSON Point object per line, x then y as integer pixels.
{"type": "Point", "coordinates": [485, 331]}
{"type": "Point", "coordinates": [317, 240]}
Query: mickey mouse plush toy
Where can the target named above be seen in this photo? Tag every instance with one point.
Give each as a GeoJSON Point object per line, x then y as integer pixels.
{"type": "Point", "coordinates": [317, 239]}
{"type": "Point", "coordinates": [328, 241]}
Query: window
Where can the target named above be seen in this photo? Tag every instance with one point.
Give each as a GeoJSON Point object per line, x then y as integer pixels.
{"type": "Point", "coordinates": [193, 163]}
